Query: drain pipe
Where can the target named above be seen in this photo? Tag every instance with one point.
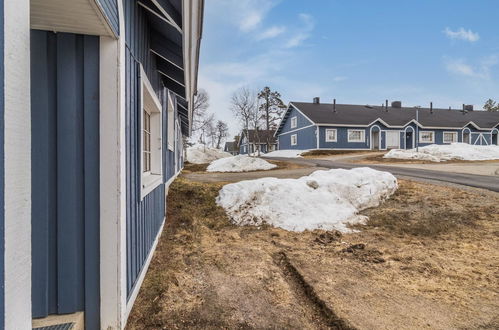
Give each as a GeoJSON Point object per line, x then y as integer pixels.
{"type": "Point", "coordinates": [417, 130]}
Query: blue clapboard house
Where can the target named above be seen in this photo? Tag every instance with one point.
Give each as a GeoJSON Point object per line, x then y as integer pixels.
{"type": "Point", "coordinates": [317, 125]}
{"type": "Point", "coordinates": [95, 98]}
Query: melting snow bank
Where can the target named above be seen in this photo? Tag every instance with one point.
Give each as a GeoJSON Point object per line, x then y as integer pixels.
{"type": "Point", "coordinates": [439, 153]}
{"type": "Point", "coordinates": [200, 154]}
{"type": "Point", "coordinates": [323, 200]}
{"type": "Point", "coordinates": [285, 153]}
{"type": "Point", "coordinates": [241, 163]}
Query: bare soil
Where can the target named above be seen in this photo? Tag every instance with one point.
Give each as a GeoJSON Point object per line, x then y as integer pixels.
{"type": "Point", "coordinates": [318, 153]}
{"type": "Point", "coordinates": [378, 159]}
{"type": "Point", "coordinates": [427, 258]}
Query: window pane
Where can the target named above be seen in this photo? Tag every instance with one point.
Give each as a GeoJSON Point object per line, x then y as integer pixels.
{"type": "Point", "coordinates": [355, 135]}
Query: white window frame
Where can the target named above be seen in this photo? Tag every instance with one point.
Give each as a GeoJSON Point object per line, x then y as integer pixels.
{"type": "Point", "coordinates": [149, 102]}
{"type": "Point", "coordinates": [295, 137]}
{"type": "Point", "coordinates": [454, 139]}
{"type": "Point", "coordinates": [294, 122]}
{"type": "Point", "coordinates": [421, 133]}
{"type": "Point", "coordinates": [362, 136]}
{"type": "Point", "coordinates": [171, 123]}
{"type": "Point", "coordinates": [335, 135]}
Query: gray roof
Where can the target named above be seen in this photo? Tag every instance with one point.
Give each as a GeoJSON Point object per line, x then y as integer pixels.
{"type": "Point", "coordinates": [264, 136]}
{"type": "Point", "coordinates": [362, 115]}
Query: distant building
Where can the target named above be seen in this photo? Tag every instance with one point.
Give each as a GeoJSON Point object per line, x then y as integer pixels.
{"type": "Point", "coordinates": [318, 125]}
{"type": "Point", "coordinates": [231, 147]}
{"type": "Point", "coordinates": [253, 140]}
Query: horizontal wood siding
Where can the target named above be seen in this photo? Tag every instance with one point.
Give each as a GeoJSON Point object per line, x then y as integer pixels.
{"type": "Point", "coordinates": [65, 174]}
{"type": "Point", "coordinates": [110, 8]}
{"type": "Point", "coordinates": [306, 139]}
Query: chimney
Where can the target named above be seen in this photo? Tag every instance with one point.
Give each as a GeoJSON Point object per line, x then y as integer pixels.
{"type": "Point", "coordinates": [317, 100]}
{"type": "Point", "coordinates": [468, 107]}
{"type": "Point", "coordinates": [396, 104]}
{"type": "Point", "coordinates": [334, 105]}
{"type": "Point", "coordinates": [431, 107]}
{"type": "Point", "coordinates": [386, 105]}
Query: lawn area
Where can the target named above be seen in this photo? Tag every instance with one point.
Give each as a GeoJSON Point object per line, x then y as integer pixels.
{"type": "Point", "coordinates": [427, 258]}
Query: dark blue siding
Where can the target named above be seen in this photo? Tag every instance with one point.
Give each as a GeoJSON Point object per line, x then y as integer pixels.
{"type": "Point", "coordinates": [301, 120]}
{"type": "Point", "coordinates": [110, 8]}
{"type": "Point", "coordinates": [65, 174]}
{"type": "Point", "coordinates": [144, 216]}
{"type": "Point", "coordinates": [306, 139]}
{"type": "Point", "coordinates": [2, 173]}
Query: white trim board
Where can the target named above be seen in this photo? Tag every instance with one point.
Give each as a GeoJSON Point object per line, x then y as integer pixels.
{"type": "Point", "coordinates": [295, 130]}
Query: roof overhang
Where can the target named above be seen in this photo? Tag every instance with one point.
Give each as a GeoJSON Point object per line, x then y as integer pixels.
{"type": "Point", "coordinates": [176, 29]}
{"type": "Point", "coordinates": [76, 16]}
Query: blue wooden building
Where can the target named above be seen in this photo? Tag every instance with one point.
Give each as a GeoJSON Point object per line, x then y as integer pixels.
{"type": "Point", "coordinates": [317, 125]}
{"type": "Point", "coordinates": [252, 140]}
{"type": "Point", "coordinates": [96, 96]}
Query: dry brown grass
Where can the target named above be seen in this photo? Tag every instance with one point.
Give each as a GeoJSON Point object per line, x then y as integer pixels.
{"type": "Point", "coordinates": [322, 152]}
{"type": "Point", "coordinates": [378, 159]}
{"type": "Point", "coordinates": [281, 165]}
{"type": "Point", "coordinates": [427, 258]}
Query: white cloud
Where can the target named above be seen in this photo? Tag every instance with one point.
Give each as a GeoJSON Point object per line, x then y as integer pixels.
{"type": "Point", "coordinates": [339, 78]}
{"type": "Point", "coordinates": [247, 15]}
{"type": "Point", "coordinates": [462, 34]}
{"type": "Point", "coordinates": [482, 70]}
{"type": "Point", "coordinates": [272, 32]}
{"type": "Point", "coordinates": [303, 33]}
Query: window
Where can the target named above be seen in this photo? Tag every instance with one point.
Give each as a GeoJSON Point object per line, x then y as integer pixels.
{"type": "Point", "coordinates": [426, 137]}
{"type": "Point", "coordinates": [151, 128]}
{"type": "Point", "coordinates": [356, 135]}
{"type": "Point", "coordinates": [294, 140]}
{"type": "Point", "coordinates": [171, 123]}
{"type": "Point", "coordinates": [330, 135]}
{"type": "Point", "coordinates": [450, 137]}
{"type": "Point", "coordinates": [146, 148]}
{"type": "Point", "coordinates": [293, 122]}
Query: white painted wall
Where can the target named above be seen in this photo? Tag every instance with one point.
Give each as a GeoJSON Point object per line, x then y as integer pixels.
{"type": "Point", "coordinates": [17, 166]}
{"type": "Point", "coordinates": [113, 180]}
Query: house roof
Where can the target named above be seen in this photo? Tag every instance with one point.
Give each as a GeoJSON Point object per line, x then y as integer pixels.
{"type": "Point", "coordinates": [363, 115]}
{"type": "Point", "coordinates": [263, 135]}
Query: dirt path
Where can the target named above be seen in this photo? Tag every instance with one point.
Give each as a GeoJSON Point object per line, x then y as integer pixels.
{"type": "Point", "coordinates": [424, 260]}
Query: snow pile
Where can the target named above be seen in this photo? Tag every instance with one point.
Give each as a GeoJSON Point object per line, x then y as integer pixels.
{"type": "Point", "coordinates": [439, 153]}
{"type": "Point", "coordinates": [241, 163]}
{"type": "Point", "coordinates": [323, 200]}
{"type": "Point", "coordinates": [285, 153]}
{"type": "Point", "coordinates": [200, 154]}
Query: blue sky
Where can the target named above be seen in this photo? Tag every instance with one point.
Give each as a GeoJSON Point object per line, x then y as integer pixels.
{"type": "Point", "coordinates": [359, 52]}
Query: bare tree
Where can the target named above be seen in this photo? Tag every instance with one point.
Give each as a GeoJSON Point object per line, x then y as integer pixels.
{"type": "Point", "coordinates": [271, 107]}
{"type": "Point", "coordinates": [205, 128]}
{"type": "Point", "coordinates": [222, 130]}
{"type": "Point", "coordinates": [200, 109]}
{"type": "Point", "coordinates": [243, 106]}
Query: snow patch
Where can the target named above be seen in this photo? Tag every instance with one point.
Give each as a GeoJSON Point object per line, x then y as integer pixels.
{"type": "Point", "coordinates": [201, 154]}
{"type": "Point", "coordinates": [241, 163]}
{"type": "Point", "coordinates": [285, 153]}
{"type": "Point", "coordinates": [441, 153]}
{"type": "Point", "coordinates": [323, 200]}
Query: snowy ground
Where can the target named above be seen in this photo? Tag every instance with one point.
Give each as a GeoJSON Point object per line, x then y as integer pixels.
{"type": "Point", "coordinates": [454, 151]}
{"type": "Point", "coordinates": [240, 163]}
{"type": "Point", "coordinates": [285, 153]}
{"type": "Point", "coordinates": [200, 154]}
{"type": "Point", "coordinates": [323, 200]}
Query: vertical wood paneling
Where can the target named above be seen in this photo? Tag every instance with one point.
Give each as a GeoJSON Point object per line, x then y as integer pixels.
{"type": "Point", "coordinates": [144, 217]}
{"type": "Point", "coordinates": [110, 8]}
{"type": "Point", "coordinates": [65, 174]}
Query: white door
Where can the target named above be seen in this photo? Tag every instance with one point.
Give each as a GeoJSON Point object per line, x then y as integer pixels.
{"type": "Point", "coordinates": [392, 139]}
